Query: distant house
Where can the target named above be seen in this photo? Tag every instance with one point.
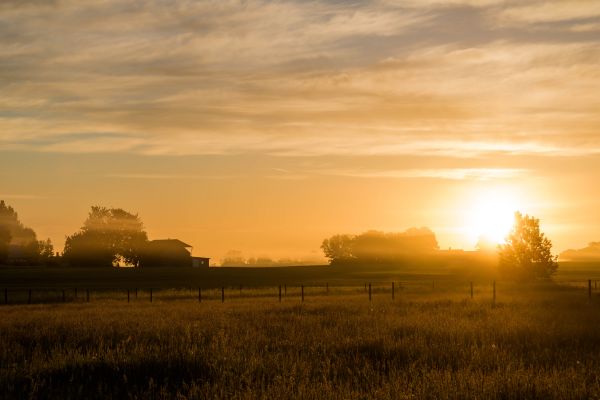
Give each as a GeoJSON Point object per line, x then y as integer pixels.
{"type": "Point", "coordinates": [170, 253]}
{"type": "Point", "coordinates": [199, 262]}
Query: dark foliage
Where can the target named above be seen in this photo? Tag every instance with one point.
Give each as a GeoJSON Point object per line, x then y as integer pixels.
{"type": "Point", "coordinates": [527, 253]}
{"type": "Point", "coordinates": [5, 238]}
{"type": "Point", "coordinates": [109, 237]}
{"type": "Point", "coordinates": [18, 243]}
{"type": "Point", "coordinates": [374, 246]}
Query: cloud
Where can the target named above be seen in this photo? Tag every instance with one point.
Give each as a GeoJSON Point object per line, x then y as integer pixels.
{"type": "Point", "coordinates": [480, 174]}
{"type": "Point", "coordinates": [586, 27]}
{"type": "Point", "coordinates": [157, 176]}
{"type": "Point", "coordinates": [550, 11]}
{"type": "Point", "coordinates": [297, 79]}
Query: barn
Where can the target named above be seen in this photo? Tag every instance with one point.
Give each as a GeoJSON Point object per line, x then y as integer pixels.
{"type": "Point", "coordinates": [170, 253]}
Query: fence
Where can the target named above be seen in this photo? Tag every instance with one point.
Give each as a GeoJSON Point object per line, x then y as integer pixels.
{"type": "Point", "coordinates": [381, 289]}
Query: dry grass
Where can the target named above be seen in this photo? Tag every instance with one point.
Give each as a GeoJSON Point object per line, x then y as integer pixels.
{"type": "Point", "coordinates": [426, 344]}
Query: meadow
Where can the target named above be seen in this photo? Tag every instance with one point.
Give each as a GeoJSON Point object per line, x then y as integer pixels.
{"type": "Point", "coordinates": [431, 341]}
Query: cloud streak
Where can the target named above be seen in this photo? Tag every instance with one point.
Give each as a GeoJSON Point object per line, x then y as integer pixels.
{"type": "Point", "coordinates": [479, 174]}
{"type": "Point", "coordinates": [300, 79]}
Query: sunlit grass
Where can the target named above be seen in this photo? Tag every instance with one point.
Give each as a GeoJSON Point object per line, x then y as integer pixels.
{"type": "Point", "coordinates": [539, 341]}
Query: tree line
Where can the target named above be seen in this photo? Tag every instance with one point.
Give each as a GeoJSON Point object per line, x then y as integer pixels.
{"type": "Point", "coordinates": [375, 246]}
{"type": "Point", "coordinates": [19, 244]}
{"type": "Point", "coordinates": [109, 237]}
{"type": "Point", "coordinates": [525, 254]}
{"type": "Point", "coordinates": [112, 237]}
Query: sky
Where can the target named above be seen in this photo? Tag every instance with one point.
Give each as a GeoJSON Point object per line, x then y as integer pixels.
{"type": "Point", "coordinates": [267, 126]}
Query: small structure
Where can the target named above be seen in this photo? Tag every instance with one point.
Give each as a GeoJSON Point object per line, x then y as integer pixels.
{"type": "Point", "coordinates": [170, 253]}
{"type": "Point", "coordinates": [200, 262]}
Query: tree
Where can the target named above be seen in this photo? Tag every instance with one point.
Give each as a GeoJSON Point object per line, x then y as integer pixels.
{"type": "Point", "coordinates": [375, 246]}
{"type": "Point", "coordinates": [109, 237]}
{"type": "Point", "coordinates": [46, 251]}
{"type": "Point", "coordinates": [5, 238]}
{"type": "Point", "coordinates": [338, 247]}
{"type": "Point", "coordinates": [22, 242]}
{"type": "Point", "coordinates": [527, 253]}
{"type": "Point", "coordinates": [233, 258]}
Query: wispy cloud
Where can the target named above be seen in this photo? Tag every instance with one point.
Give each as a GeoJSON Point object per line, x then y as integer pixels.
{"type": "Point", "coordinates": [300, 79]}
{"type": "Point", "coordinates": [147, 176]}
{"type": "Point", "coordinates": [550, 11]}
{"type": "Point", "coordinates": [481, 174]}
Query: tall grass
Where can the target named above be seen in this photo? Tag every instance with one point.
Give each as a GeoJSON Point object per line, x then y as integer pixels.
{"type": "Point", "coordinates": [539, 341]}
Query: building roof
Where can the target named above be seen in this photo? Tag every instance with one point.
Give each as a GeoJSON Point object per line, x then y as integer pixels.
{"type": "Point", "coordinates": [174, 242]}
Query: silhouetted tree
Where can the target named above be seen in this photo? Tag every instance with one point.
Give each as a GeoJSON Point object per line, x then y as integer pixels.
{"type": "Point", "coordinates": [22, 246]}
{"type": "Point", "coordinates": [109, 237]}
{"type": "Point", "coordinates": [381, 246]}
{"type": "Point", "coordinates": [375, 246]}
{"type": "Point", "coordinates": [527, 253]}
{"type": "Point", "coordinates": [233, 258]}
{"type": "Point", "coordinates": [589, 253]}
{"type": "Point", "coordinates": [338, 248]}
{"type": "Point", "coordinates": [5, 238]}
{"type": "Point", "coordinates": [46, 252]}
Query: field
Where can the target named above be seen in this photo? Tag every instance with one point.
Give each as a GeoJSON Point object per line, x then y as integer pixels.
{"type": "Point", "coordinates": [431, 341]}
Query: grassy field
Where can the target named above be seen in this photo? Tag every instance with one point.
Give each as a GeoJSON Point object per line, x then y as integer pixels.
{"type": "Point", "coordinates": [539, 341]}
{"type": "Point", "coordinates": [431, 341]}
{"type": "Point", "coordinates": [168, 278]}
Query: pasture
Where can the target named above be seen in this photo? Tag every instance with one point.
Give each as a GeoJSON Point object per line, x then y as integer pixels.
{"type": "Point", "coordinates": [431, 341]}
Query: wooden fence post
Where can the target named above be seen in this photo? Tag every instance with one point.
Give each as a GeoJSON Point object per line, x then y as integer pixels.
{"type": "Point", "coordinates": [223, 294]}
{"type": "Point", "coordinates": [393, 290]}
{"type": "Point", "coordinates": [199, 295]}
{"type": "Point", "coordinates": [150, 295]}
{"type": "Point", "coordinates": [302, 293]}
{"type": "Point", "coordinates": [369, 292]}
{"type": "Point", "coordinates": [365, 287]}
{"type": "Point", "coordinates": [29, 297]}
{"type": "Point", "coordinates": [494, 297]}
{"type": "Point", "coordinates": [471, 290]}
{"type": "Point", "coordinates": [280, 293]}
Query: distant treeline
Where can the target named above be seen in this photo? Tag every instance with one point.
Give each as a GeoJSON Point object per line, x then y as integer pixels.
{"type": "Point", "coordinates": [109, 237]}
{"type": "Point", "coordinates": [19, 244]}
{"type": "Point", "coordinates": [235, 258]}
{"type": "Point", "coordinates": [589, 253]}
{"type": "Point", "coordinates": [375, 246]}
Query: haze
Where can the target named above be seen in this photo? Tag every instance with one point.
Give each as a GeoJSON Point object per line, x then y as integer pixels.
{"type": "Point", "coordinates": [265, 127]}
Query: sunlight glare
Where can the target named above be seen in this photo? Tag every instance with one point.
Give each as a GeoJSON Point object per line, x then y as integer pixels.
{"type": "Point", "coordinates": [491, 216]}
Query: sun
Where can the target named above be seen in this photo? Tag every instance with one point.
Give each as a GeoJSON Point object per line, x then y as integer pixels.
{"type": "Point", "coordinates": [490, 216]}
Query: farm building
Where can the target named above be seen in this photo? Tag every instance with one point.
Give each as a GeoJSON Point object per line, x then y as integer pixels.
{"type": "Point", "coordinates": [170, 253]}
{"type": "Point", "coordinates": [198, 262]}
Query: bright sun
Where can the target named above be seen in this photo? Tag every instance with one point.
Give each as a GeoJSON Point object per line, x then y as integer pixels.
{"type": "Point", "coordinates": [491, 216]}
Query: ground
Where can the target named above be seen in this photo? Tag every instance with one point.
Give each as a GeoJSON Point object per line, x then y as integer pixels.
{"type": "Point", "coordinates": [431, 341]}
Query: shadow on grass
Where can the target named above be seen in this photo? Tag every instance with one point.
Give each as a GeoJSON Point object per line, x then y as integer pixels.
{"type": "Point", "coordinates": [102, 379]}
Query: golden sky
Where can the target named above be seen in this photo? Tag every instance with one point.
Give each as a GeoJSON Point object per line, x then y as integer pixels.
{"type": "Point", "coordinates": [266, 126]}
